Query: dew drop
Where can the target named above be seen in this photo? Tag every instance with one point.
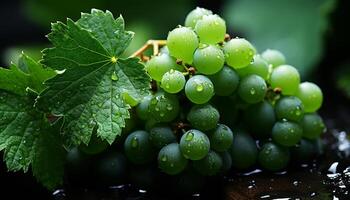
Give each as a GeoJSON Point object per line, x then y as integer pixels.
{"type": "Point", "coordinates": [164, 158]}
{"type": "Point", "coordinates": [114, 76]}
{"type": "Point", "coordinates": [134, 142]}
{"type": "Point", "coordinates": [189, 136]}
{"type": "Point", "coordinates": [167, 86]}
{"type": "Point", "coordinates": [169, 107]}
{"type": "Point", "coordinates": [252, 91]}
{"type": "Point", "coordinates": [199, 88]}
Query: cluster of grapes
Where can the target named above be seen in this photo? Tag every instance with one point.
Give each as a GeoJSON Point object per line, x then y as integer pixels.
{"type": "Point", "coordinates": [218, 105]}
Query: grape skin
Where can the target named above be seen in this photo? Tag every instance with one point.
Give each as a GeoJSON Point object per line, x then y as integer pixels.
{"type": "Point", "coordinates": [311, 96]}
{"type": "Point", "coordinates": [209, 59]}
{"type": "Point", "coordinates": [173, 81]}
{"type": "Point", "coordinates": [199, 89]}
{"type": "Point", "coordinates": [194, 145]}
{"type": "Point", "coordinates": [286, 78]}
{"type": "Point", "coordinates": [195, 15]}
{"type": "Point", "coordinates": [211, 29]}
{"type": "Point", "coordinates": [182, 42]}
{"type": "Point", "coordinates": [239, 53]}
{"type": "Point", "coordinates": [274, 57]}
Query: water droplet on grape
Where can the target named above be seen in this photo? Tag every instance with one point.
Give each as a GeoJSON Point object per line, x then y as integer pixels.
{"type": "Point", "coordinates": [189, 136]}
{"type": "Point", "coordinates": [167, 86]}
{"type": "Point", "coordinates": [252, 91]}
{"type": "Point", "coordinates": [134, 142]}
{"type": "Point", "coordinates": [164, 158]}
{"type": "Point", "coordinates": [199, 88]}
{"type": "Point", "coordinates": [169, 107]}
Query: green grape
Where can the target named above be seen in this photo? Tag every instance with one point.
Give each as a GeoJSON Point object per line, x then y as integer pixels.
{"type": "Point", "coordinates": [170, 159]}
{"type": "Point", "coordinates": [161, 135]}
{"type": "Point", "coordinates": [226, 161]}
{"type": "Point", "coordinates": [221, 139]}
{"type": "Point", "coordinates": [173, 81]}
{"type": "Point", "coordinates": [164, 107]}
{"type": "Point", "coordinates": [195, 15]}
{"type": "Point", "coordinates": [194, 145]}
{"type": "Point", "coordinates": [289, 108]}
{"type": "Point", "coordinates": [258, 67]}
{"type": "Point", "coordinates": [96, 145]}
{"type": "Point", "coordinates": [225, 81]}
{"type": "Point", "coordinates": [199, 89]}
{"type": "Point", "coordinates": [252, 89]}
{"type": "Point", "coordinates": [182, 42]}
{"type": "Point", "coordinates": [210, 165]}
{"type": "Point", "coordinates": [142, 109]}
{"type": "Point", "coordinates": [208, 59]}
{"type": "Point", "coordinates": [138, 149]}
{"type": "Point", "coordinates": [311, 96]}
{"type": "Point", "coordinates": [304, 151]}
{"type": "Point", "coordinates": [286, 78]}
{"type": "Point", "coordinates": [211, 29]}
{"type": "Point", "coordinates": [157, 66]}
{"type": "Point", "coordinates": [260, 118]}
{"type": "Point", "coordinates": [111, 169]}
{"type": "Point", "coordinates": [243, 151]}
{"type": "Point", "coordinates": [312, 125]}
{"type": "Point", "coordinates": [239, 53]}
{"type": "Point", "coordinates": [203, 117]}
{"type": "Point", "coordinates": [287, 133]}
{"type": "Point", "coordinates": [273, 157]}
{"type": "Point", "coordinates": [274, 57]}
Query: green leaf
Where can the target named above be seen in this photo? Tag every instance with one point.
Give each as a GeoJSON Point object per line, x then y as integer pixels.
{"type": "Point", "coordinates": [108, 31]}
{"type": "Point", "coordinates": [28, 73]}
{"type": "Point", "coordinates": [296, 28]}
{"type": "Point", "coordinates": [48, 163]}
{"type": "Point", "coordinates": [90, 91]}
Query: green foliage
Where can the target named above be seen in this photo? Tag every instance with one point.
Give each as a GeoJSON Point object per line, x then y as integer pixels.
{"type": "Point", "coordinates": [23, 129]}
{"type": "Point", "coordinates": [296, 28]}
{"type": "Point", "coordinates": [94, 78]}
{"type": "Point", "coordinates": [87, 85]}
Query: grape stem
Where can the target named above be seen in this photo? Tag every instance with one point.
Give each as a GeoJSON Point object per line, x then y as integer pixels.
{"type": "Point", "coordinates": [150, 43]}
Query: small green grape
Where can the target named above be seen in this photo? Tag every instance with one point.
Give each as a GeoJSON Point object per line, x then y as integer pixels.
{"type": "Point", "coordinates": [286, 78]}
{"type": "Point", "coordinates": [210, 165]}
{"type": "Point", "coordinates": [312, 125]}
{"type": "Point", "coordinates": [239, 53]}
{"type": "Point", "coordinates": [170, 159]}
{"type": "Point", "coordinates": [208, 59]}
{"type": "Point", "coordinates": [225, 81]}
{"type": "Point", "coordinates": [289, 108]}
{"type": "Point", "coordinates": [222, 138]}
{"type": "Point", "coordinates": [138, 149]}
{"type": "Point", "coordinates": [195, 15]}
{"type": "Point", "coordinates": [173, 81]}
{"type": "Point", "coordinates": [273, 157]}
{"type": "Point", "coordinates": [194, 144]}
{"type": "Point", "coordinates": [311, 96]}
{"type": "Point", "coordinates": [157, 66]}
{"type": "Point", "coordinates": [211, 29]}
{"type": "Point", "coordinates": [252, 89]}
{"type": "Point", "coordinates": [182, 42]}
{"type": "Point", "coordinates": [199, 89]}
{"type": "Point", "coordinates": [203, 117]}
{"type": "Point", "coordinates": [287, 133]}
{"type": "Point", "coordinates": [274, 57]}
{"type": "Point", "coordinates": [258, 67]}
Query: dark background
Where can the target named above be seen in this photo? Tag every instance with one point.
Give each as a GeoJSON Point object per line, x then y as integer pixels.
{"type": "Point", "coordinates": [17, 28]}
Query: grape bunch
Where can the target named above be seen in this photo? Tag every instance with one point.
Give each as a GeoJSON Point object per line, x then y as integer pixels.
{"type": "Point", "coordinates": [218, 105]}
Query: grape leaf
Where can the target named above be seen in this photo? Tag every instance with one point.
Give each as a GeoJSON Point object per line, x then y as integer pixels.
{"type": "Point", "coordinates": [25, 134]}
{"type": "Point", "coordinates": [27, 138]}
{"type": "Point", "coordinates": [48, 162]}
{"type": "Point", "coordinates": [28, 73]}
{"type": "Point", "coordinates": [91, 90]}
